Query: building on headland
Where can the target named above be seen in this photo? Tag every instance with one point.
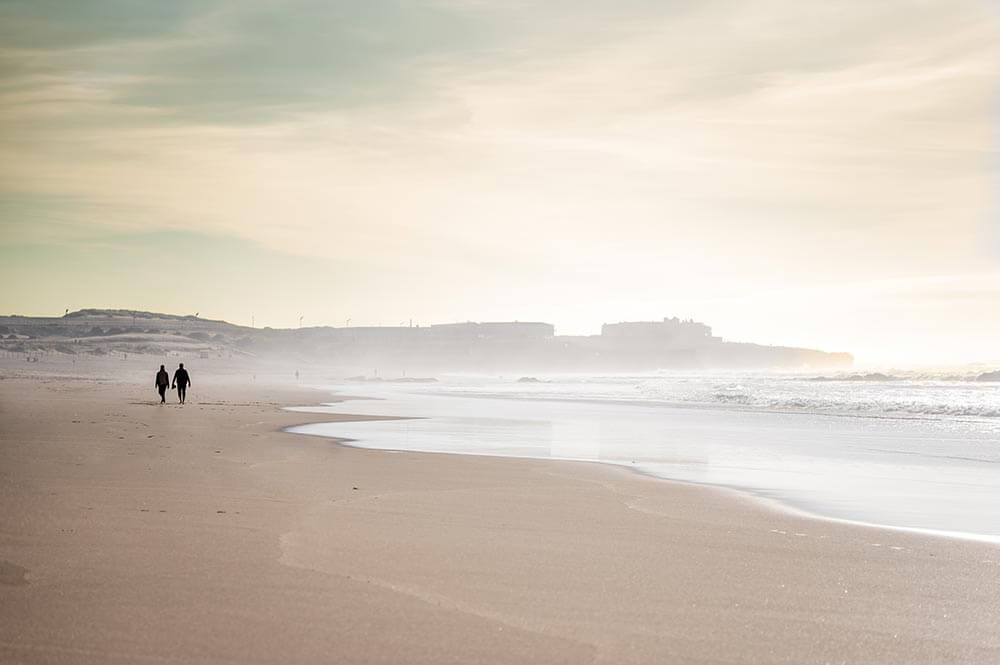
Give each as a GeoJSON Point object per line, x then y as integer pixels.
{"type": "Point", "coordinates": [667, 331]}
{"type": "Point", "coordinates": [493, 346]}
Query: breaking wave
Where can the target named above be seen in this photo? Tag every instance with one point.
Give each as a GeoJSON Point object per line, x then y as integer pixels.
{"type": "Point", "coordinates": [879, 377]}
{"type": "Point", "coordinates": [889, 405]}
{"type": "Point", "coordinates": [896, 394]}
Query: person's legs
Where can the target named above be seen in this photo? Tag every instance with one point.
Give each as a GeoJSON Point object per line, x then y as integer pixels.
{"type": "Point", "coordinates": [180, 392]}
{"type": "Point", "coordinates": [163, 394]}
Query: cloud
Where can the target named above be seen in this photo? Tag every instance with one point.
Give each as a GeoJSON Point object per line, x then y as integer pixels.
{"type": "Point", "coordinates": [58, 24]}
{"type": "Point", "coordinates": [232, 62]}
{"type": "Point", "coordinates": [557, 154]}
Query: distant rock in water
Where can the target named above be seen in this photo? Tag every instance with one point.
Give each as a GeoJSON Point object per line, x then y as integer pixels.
{"type": "Point", "coordinates": [989, 376]}
{"type": "Point", "coordinates": [873, 376]}
{"type": "Point", "coordinates": [529, 379]}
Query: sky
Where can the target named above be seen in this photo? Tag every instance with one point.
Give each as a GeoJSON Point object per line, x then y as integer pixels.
{"type": "Point", "coordinates": [814, 174]}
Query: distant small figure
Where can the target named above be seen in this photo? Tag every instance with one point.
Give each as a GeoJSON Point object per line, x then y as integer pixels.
{"type": "Point", "coordinates": [181, 382]}
{"type": "Point", "coordinates": [162, 383]}
{"type": "Point", "coordinates": [296, 375]}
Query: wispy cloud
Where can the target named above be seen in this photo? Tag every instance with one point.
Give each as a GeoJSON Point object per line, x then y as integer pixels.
{"type": "Point", "coordinates": [569, 152]}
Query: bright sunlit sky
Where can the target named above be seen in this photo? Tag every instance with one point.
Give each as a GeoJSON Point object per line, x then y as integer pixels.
{"type": "Point", "coordinates": [810, 173]}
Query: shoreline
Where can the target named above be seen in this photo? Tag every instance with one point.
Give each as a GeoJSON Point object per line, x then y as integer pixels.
{"type": "Point", "coordinates": [133, 533]}
{"type": "Point", "coordinates": [781, 504]}
{"type": "Point", "coordinates": [743, 493]}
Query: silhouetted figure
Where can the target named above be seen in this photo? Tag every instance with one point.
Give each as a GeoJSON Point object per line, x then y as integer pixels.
{"type": "Point", "coordinates": [181, 382]}
{"type": "Point", "coordinates": [162, 383]}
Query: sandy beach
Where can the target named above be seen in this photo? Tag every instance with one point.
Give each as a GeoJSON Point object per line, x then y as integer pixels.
{"type": "Point", "coordinates": [137, 533]}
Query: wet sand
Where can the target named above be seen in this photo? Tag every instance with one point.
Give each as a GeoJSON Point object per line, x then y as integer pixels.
{"type": "Point", "coordinates": [137, 533]}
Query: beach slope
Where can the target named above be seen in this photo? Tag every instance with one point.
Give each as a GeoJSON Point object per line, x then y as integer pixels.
{"type": "Point", "coordinates": [137, 533]}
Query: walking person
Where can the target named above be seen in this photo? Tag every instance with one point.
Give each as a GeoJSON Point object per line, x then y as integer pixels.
{"type": "Point", "coordinates": [162, 382]}
{"type": "Point", "coordinates": [181, 382]}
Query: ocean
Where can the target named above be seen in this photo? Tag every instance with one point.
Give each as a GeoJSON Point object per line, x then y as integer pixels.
{"type": "Point", "coordinates": [909, 450]}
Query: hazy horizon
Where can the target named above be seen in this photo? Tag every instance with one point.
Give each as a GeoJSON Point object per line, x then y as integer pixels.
{"type": "Point", "coordinates": [820, 176]}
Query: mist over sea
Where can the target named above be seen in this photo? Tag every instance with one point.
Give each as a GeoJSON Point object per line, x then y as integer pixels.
{"type": "Point", "coordinates": [917, 450]}
{"type": "Point", "coordinates": [895, 393]}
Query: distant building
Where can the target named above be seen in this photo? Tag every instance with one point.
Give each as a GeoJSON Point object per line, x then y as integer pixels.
{"type": "Point", "coordinates": [673, 332]}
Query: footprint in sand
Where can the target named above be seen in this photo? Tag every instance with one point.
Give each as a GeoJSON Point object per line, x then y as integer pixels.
{"type": "Point", "coordinates": [12, 574]}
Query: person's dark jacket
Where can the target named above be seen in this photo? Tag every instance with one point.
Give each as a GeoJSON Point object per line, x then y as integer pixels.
{"type": "Point", "coordinates": [181, 378]}
{"type": "Point", "coordinates": [162, 379]}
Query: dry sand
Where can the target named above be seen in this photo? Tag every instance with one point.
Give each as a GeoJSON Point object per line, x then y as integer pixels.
{"type": "Point", "coordinates": [137, 533]}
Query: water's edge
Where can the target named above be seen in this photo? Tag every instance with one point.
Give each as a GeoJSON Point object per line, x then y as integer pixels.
{"type": "Point", "coordinates": [773, 502]}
